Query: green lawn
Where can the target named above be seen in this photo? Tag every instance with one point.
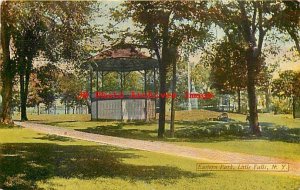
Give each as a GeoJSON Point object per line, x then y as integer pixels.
{"type": "Point", "coordinates": [193, 129]}
{"type": "Point", "coordinates": [264, 118]}
{"type": "Point", "coordinates": [269, 119]}
{"type": "Point", "coordinates": [30, 160]}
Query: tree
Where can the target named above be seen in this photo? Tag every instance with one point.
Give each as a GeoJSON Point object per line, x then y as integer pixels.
{"type": "Point", "coordinates": [27, 42]}
{"type": "Point", "coordinates": [287, 86]}
{"type": "Point", "coordinates": [200, 76]}
{"type": "Point", "coordinates": [264, 83]}
{"type": "Point", "coordinates": [174, 84]}
{"type": "Point", "coordinates": [48, 76]}
{"type": "Point", "coordinates": [34, 90]}
{"type": "Point", "coordinates": [8, 67]}
{"type": "Point", "coordinates": [30, 33]}
{"type": "Point", "coordinates": [165, 25]}
{"type": "Point", "coordinates": [252, 21]}
{"type": "Point", "coordinates": [69, 87]}
{"type": "Point", "coordinates": [228, 68]}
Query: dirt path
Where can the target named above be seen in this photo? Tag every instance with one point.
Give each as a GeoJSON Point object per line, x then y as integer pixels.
{"type": "Point", "coordinates": [211, 155]}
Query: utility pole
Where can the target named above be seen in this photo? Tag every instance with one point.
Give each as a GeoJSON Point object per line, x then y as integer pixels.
{"type": "Point", "coordinates": [189, 82]}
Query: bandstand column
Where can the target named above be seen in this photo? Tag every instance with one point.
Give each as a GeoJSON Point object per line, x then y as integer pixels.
{"type": "Point", "coordinates": [154, 83]}
{"type": "Point", "coordinates": [91, 91]}
{"type": "Point", "coordinates": [102, 76]}
{"type": "Point", "coordinates": [121, 74]}
{"type": "Point", "coordinates": [96, 95]}
{"type": "Point", "coordinates": [145, 91]}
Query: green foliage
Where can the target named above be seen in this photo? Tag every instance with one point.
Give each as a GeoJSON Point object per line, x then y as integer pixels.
{"type": "Point", "coordinates": [69, 87]}
{"type": "Point", "coordinates": [213, 129]}
{"type": "Point", "coordinates": [182, 81]}
{"type": "Point", "coordinates": [281, 106]}
{"type": "Point", "coordinates": [287, 85]}
{"type": "Point", "coordinates": [134, 81]}
{"type": "Point", "coordinates": [200, 77]}
{"type": "Point", "coordinates": [15, 97]}
{"type": "Point", "coordinates": [47, 77]}
{"type": "Point", "coordinates": [164, 26]}
{"type": "Point", "coordinates": [228, 67]}
{"type": "Point", "coordinates": [182, 19]}
{"type": "Point", "coordinates": [251, 21]}
{"type": "Point", "coordinates": [35, 89]}
{"type": "Point", "coordinates": [35, 25]}
{"type": "Point", "coordinates": [287, 89]}
{"type": "Point", "coordinates": [282, 133]}
{"type": "Point", "coordinates": [52, 30]}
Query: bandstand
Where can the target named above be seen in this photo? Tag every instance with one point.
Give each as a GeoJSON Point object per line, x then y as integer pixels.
{"type": "Point", "coordinates": [122, 105]}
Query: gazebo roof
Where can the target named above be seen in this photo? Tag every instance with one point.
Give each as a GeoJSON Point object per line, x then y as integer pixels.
{"type": "Point", "coordinates": [124, 59]}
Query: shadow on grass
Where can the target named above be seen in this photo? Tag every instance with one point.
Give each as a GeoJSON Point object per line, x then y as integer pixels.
{"type": "Point", "coordinates": [54, 123]}
{"type": "Point", "coordinates": [120, 131]}
{"type": "Point", "coordinates": [55, 138]}
{"type": "Point", "coordinates": [200, 131]}
{"type": "Point", "coordinates": [69, 121]}
{"type": "Point", "coordinates": [4, 126]}
{"type": "Point", "coordinates": [22, 165]}
{"type": "Point", "coordinates": [281, 133]}
{"type": "Point", "coordinates": [137, 123]}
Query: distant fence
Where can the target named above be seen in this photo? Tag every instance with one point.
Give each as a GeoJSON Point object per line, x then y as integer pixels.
{"type": "Point", "coordinates": [56, 110]}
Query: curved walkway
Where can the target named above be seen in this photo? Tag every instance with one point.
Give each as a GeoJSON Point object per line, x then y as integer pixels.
{"type": "Point", "coordinates": [210, 155]}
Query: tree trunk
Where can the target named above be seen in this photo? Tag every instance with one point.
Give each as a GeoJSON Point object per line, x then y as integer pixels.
{"type": "Point", "coordinates": [174, 81]}
{"type": "Point", "coordinates": [239, 100]}
{"type": "Point", "coordinates": [23, 97]}
{"type": "Point", "coordinates": [65, 108]}
{"type": "Point", "coordinates": [268, 100]}
{"type": "Point", "coordinates": [38, 109]}
{"type": "Point", "coordinates": [252, 54]}
{"type": "Point", "coordinates": [162, 101]}
{"type": "Point", "coordinates": [8, 68]}
{"type": "Point", "coordinates": [6, 115]}
{"type": "Point", "coordinates": [294, 107]}
{"type": "Point", "coordinates": [163, 77]}
{"type": "Point", "coordinates": [26, 90]}
{"type": "Point", "coordinates": [24, 72]}
{"type": "Point", "coordinates": [228, 103]}
{"type": "Point", "coordinates": [252, 102]}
